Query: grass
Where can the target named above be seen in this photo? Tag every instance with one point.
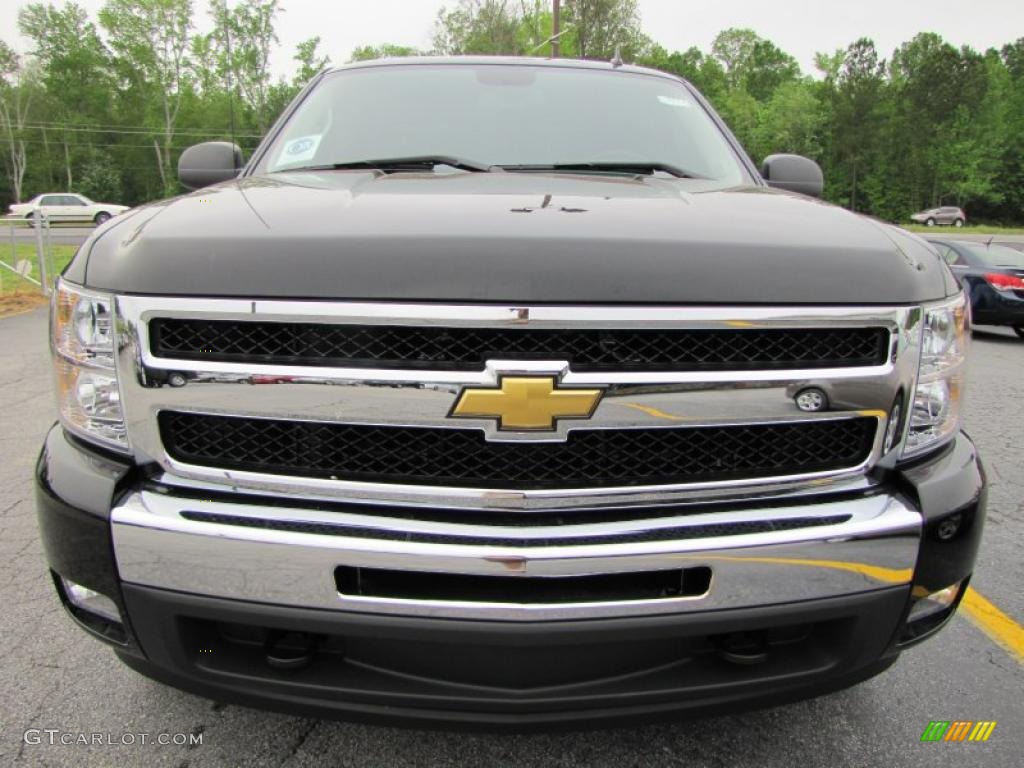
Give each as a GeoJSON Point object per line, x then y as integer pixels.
{"type": "Point", "coordinates": [18, 295]}
{"type": "Point", "coordinates": [59, 256]}
{"type": "Point", "coordinates": [981, 229]}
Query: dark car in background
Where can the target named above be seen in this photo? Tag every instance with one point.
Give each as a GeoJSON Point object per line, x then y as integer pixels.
{"type": "Point", "coordinates": [993, 276]}
{"type": "Point", "coordinates": [947, 214]}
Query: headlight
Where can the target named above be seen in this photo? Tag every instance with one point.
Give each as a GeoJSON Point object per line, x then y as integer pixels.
{"type": "Point", "coordinates": [935, 412]}
{"type": "Point", "coordinates": [88, 397]}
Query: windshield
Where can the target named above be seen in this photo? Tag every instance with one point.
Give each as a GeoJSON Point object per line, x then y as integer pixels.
{"type": "Point", "coordinates": [998, 255]}
{"type": "Point", "coordinates": [500, 115]}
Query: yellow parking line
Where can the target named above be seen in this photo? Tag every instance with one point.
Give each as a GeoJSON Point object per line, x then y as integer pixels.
{"type": "Point", "coordinates": [876, 414]}
{"type": "Point", "coordinates": [1003, 630]}
{"type": "Point", "coordinates": [655, 412]}
{"type": "Point", "coordinates": [876, 572]}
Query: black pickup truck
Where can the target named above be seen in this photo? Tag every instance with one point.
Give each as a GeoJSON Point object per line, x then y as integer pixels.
{"type": "Point", "coordinates": [507, 393]}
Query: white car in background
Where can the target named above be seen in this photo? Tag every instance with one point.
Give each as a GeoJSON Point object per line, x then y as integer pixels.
{"type": "Point", "coordinates": [65, 206]}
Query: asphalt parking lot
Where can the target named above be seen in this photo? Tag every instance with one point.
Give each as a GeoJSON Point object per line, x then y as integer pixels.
{"type": "Point", "coordinates": [63, 234]}
{"type": "Point", "coordinates": [55, 677]}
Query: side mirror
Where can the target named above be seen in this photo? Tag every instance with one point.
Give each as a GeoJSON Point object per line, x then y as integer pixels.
{"type": "Point", "coordinates": [204, 164]}
{"type": "Point", "coordinates": [793, 173]}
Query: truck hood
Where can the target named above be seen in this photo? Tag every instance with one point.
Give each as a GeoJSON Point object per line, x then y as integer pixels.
{"type": "Point", "coordinates": [507, 237]}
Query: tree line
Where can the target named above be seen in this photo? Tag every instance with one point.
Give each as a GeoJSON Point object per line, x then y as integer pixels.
{"type": "Point", "coordinates": [103, 106]}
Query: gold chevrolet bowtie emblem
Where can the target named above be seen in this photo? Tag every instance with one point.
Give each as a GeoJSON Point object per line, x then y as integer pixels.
{"type": "Point", "coordinates": [522, 402]}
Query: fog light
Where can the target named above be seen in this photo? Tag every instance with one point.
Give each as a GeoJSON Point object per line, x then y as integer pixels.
{"type": "Point", "coordinates": [934, 603]}
{"type": "Point", "coordinates": [90, 600]}
{"type": "Point", "coordinates": [950, 527]}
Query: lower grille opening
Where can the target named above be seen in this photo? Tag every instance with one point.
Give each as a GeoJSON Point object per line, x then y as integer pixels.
{"type": "Point", "coordinates": [594, 588]}
{"type": "Point", "coordinates": [466, 667]}
{"type": "Point", "coordinates": [343, 663]}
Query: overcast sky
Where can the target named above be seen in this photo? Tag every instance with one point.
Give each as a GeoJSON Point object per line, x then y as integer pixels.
{"type": "Point", "coordinates": [799, 27]}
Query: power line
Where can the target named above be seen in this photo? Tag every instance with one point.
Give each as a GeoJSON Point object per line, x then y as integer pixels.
{"type": "Point", "coordinates": [59, 123]}
{"type": "Point", "coordinates": [118, 145]}
{"type": "Point", "coordinates": [153, 132]}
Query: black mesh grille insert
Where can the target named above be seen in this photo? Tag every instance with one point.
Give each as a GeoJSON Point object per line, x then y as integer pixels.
{"type": "Point", "coordinates": [461, 457]}
{"type": "Point", "coordinates": [591, 588]}
{"type": "Point", "coordinates": [469, 348]}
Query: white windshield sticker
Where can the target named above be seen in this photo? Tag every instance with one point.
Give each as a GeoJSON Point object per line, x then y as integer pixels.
{"type": "Point", "coordinates": [299, 150]}
{"type": "Point", "coordinates": [673, 102]}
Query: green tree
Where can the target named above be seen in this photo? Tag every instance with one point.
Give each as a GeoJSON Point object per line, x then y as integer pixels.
{"type": "Point", "coordinates": [743, 113]}
{"type": "Point", "coordinates": [310, 60]}
{"type": "Point", "coordinates": [383, 51]}
{"type": "Point", "coordinates": [151, 40]}
{"type": "Point", "coordinates": [930, 80]}
{"type": "Point", "coordinates": [91, 104]}
{"type": "Point", "coordinates": [18, 87]}
{"type": "Point", "coordinates": [792, 120]}
{"type": "Point", "coordinates": [705, 72]}
{"type": "Point", "coordinates": [478, 27]}
{"type": "Point", "coordinates": [245, 37]}
{"type": "Point", "coordinates": [75, 66]}
{"type": "Point", "coordinates": [753, 63]}
{"type": "Point", "coordinates": [860, 88]}
{"type": "Point", "coordinates": [601, 26]}
{"type": "Point", "coordinates": [100, 177]}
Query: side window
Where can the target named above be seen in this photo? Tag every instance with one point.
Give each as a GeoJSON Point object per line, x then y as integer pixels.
{"type": "Point", "coordinates": [72, 200]}
{"type": "Point", "coordinates": [50, 200]}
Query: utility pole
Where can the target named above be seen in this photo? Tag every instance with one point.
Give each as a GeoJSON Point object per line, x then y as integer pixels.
{"type": "Point", "coordinates": [231, 69]}
{"type": "Point", "coordinates": [556, 13]}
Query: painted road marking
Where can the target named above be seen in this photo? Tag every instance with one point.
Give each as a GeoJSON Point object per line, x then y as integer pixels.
{"type": "Point", "coordinates": [876, 572]}
{"type": "Point", "coordinates": [1003, 630]}
{"type": "Point", "coordinates": [655, 412]}
{"type": "Point", "coordinates": [999, 627]}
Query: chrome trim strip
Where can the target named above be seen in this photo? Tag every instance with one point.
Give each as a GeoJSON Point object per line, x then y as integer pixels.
{"type": "Point", "coordinates": [170, 507]}
{"type": "Point", "coordinates": [144, 308]}
{"type": "Point", "coordinates": [155, 546]}
{"type": "Point", "coordinates": [190, 478]}
{"type": "Point", "coordinates": [424, 398]}
{"type": "Point", "coordinates": [485, 498]}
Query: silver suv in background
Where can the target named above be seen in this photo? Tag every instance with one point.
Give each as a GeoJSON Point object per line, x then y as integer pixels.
{"type": "Point", "coordinates": [947, 214]}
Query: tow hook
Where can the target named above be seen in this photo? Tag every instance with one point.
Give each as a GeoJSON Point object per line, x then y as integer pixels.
{"type": "Point", "coordinates": [744, 648]}
{"type": "Point", "coordinates": [289, 650]}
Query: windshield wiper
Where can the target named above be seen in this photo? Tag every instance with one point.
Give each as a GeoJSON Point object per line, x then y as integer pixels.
{"type": "Point", "coordinates": [630, 167]}
{"type": "Point", "coordinates": [396, 164]}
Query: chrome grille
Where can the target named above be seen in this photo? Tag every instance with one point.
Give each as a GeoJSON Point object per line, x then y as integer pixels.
{"type": "Point", "coordinates": [677, 422]}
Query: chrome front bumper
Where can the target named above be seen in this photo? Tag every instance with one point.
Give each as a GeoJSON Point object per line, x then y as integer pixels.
{"type": "Point", "coordinates": [157, 545]}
